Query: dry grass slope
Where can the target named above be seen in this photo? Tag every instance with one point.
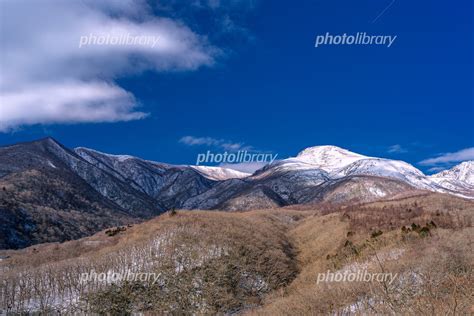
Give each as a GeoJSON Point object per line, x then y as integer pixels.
{"type": "Point", "coordinates": [208, 262]}
{"type": "Point", "coordinates": [263, 262]}
{"type": "Point", "coordinates": [428, 240]}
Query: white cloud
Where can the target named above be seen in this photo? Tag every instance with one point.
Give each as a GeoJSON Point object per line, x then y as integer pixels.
{"type": "Point", "coordinates": [214, 142]}
{"type": "Point", "coordinates": [47, 78]}
{"type": "Point", "coordinates": [397, 149]}
{"type": "Point", "coordinates": [461, 155]}
{"type": "Point", "coordinates": [69, 102]}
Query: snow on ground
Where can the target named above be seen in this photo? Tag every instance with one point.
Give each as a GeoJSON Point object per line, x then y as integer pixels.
{"type": "Point", "coordinates": [51, 164]}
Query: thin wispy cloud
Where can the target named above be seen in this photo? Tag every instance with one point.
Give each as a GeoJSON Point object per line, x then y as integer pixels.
{"type": "Point", "coordinates": [397, 149]}
{"type": "Point", "coordinates": [214, 142]}
{"type": "Point", "coordinates": [448, 158]}
{"type": "Point", "coordinates": [436, 169]}
{"type": "Point", "coordinates": [193, 141]}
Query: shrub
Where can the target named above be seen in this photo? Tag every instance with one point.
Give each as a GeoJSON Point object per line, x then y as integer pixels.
{"type": "Point", "coordinates": [114, 231]}
{"type": "Point", "coordinates": [376, 233]}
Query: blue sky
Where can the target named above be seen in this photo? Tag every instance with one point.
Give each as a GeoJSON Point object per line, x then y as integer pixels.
{"type": "Point", "coordinates": [244, 73]}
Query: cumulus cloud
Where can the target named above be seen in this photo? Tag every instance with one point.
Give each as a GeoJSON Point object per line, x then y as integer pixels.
{"type": "Point", "coordinates": [447, 158]}
{"type": "Point", "coordinates": [214, 142]}
{"type": "Point", "coordinates": [46, 78]}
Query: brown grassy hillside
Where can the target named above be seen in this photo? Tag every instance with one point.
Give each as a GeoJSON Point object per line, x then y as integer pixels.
{"type": "Point", "coordinates": [428, 240]}
{"type": "Point", "coordinates": [208, 262]}
{"type": "Point", "coordinates": [262, 262]}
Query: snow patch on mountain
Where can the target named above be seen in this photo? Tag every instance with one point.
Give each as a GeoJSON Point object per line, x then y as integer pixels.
{"type": "Point", "coordinates": [328, 158]}
{"type": "Point", "coordinates": [394, 169]}
{"type": "Point", "coordinates": [51, 164]}
{"type": "Point", "coordinates": [219, 173]}
{"type": "Point", "coordinates": [83, 151]}
{"type": "Point", "coordinates": [283, 166]}
{"type": "Point", "coordinates": [377, 192]}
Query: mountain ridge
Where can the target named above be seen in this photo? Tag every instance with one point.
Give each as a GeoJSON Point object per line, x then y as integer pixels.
{"type": "Point", "coordinates": [69, 184]}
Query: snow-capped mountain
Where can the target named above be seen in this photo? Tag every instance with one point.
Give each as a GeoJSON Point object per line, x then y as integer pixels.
{"type": "Point", "coordinates": [123, 164]}
{"type": "Point", "coordinates": [169, 184]}
{"type": "Point", "coordinates": [460, 178]}
{"type": "Point", "coordinates": [316, 173]}
{"type": "Point", "coordinates": [295, 180]}
{"type": "Point", "coordinates": [463, 172]}
{"type": "Point", "coordinates": [96, 189]}
{"type": "Point", "coordinates": [339, 163]}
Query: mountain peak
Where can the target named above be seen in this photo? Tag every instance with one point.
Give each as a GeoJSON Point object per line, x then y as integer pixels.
{"type": "Point", "coordinates": [462, 172]}
{"type": "Point", "coordinates": [328, 157]}
{"type": "Point", "coordinates": [47, 140]}
{"type": "Point", "coordinates": [328, 151]}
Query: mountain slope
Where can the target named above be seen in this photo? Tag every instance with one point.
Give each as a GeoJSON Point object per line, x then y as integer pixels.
{"type": "Point", "coordinates": [169, 184]}
{"type": "Point", "coordinates": [126, 196]}
{"type": "Point", "coordinates": [357, 189]}
{"type": "Point", "coordinates": [263, 262]}
{"type": "Point", "coordinates": [42, 199]}
{"type": "Point", "coordinates": [393, 169]}
{"type": "Point", "coordinates": [146, 176]}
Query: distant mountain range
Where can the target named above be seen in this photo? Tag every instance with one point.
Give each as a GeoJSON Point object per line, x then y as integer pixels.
{"type": "Point", "coordinates": [52, 193]}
